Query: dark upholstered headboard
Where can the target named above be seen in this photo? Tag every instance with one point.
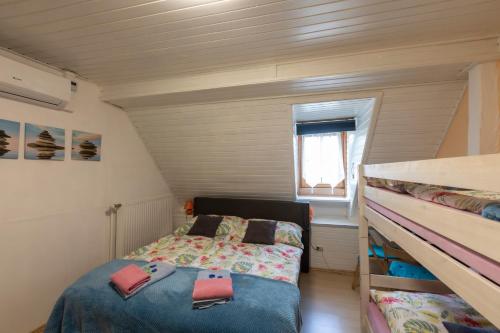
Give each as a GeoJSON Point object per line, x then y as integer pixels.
{"type": "Point", "coordinates": [296, 212]}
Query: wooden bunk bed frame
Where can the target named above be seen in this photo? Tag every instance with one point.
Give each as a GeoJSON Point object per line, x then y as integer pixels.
{"type": "Point", "coordinates": [464, 229]}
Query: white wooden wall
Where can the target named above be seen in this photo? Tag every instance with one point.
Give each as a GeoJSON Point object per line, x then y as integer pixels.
{"type": "Point", "coordinates": [340, 247]}
{"type": "Point", "coordinates": [413, 121]}
{"type": "Point", "coordinates": [358, 146]}
{"type": "Point", "coordinates": [245, 148]}
{"type": "Point", "coordinates": [230, 149]}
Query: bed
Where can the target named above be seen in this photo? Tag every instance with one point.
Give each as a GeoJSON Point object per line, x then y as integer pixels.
{"type": "Point", "coordinates": [280, 261]}
{"type": "Point", "coordinates": [445, 214]}
{"type": "Point", "coordinates": [264, 278]}
{"type": "Point", "coordinates": [401, 311]}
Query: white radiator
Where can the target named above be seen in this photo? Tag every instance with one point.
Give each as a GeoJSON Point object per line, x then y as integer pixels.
{"type": "Point", "coordinates": [137, 224]}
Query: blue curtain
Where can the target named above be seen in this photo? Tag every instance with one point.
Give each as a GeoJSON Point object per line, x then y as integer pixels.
{"type": "Point", "coordinates": [329, 126]}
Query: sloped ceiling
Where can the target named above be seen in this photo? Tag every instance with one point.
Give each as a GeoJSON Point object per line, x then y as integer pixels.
{"type": "Point", "coordinates": [246, 149]}
{"type": "Point", "coordinates": [116, 41]}
{"type": "Point", "coordinates": [412, 122]}
{"type": "Point", "coordinates": [338, 83]}
{"type": "Point", "coordinates": [344, 108]}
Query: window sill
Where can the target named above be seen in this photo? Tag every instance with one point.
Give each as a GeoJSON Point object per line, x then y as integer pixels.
{"type": "Point", "coordinates": [319, 198]}
{"type": "Point", "coordinates": [340, 222]}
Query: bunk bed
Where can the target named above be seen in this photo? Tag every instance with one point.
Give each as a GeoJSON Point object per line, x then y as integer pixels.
{"type": "Point", "coordinates": [414, 205]}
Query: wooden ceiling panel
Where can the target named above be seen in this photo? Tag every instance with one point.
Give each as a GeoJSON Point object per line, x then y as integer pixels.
{"type": "Point", "coordinates": [337, 83]}
{"type": "Point", "coordinates": [135, 40]}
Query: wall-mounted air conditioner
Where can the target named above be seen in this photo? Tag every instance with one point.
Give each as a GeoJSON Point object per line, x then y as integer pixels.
{"type": "Point", "coordinates": [31, 85]}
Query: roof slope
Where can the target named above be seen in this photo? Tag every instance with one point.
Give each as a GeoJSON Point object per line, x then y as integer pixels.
{"type": "Point", "coordinates": [246, 149]}
{"type": "Point", "coordinates": [115, 41]}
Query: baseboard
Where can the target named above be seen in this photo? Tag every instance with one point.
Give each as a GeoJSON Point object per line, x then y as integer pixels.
{"type": "Point", "coordinates": [40, 329]}
{"type": "Point", "coordinates": [335, 271]}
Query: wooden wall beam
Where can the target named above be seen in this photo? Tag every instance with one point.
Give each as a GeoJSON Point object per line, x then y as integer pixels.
{"type": "Point", "coordinates": [471, 51]}
{"type": "Point", "coordinates": [484, 109]}
{"type": "Point", "coordinates": [364, 263]}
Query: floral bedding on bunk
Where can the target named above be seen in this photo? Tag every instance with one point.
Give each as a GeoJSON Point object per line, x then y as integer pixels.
{"type": "Point", "coordinates": [410, 312]}
{"type": "Point", "coordinates": [280, 261]}
{"type": "Point", "coordinates": [483, 203]}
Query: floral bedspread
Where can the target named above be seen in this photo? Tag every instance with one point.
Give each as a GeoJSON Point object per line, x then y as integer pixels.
{"type": "Point", "coordinates": [483, 203]}
{"type": "Point", "coordinates": [278, 261]}
{"type": "Point", "coordinates": [423, 312]}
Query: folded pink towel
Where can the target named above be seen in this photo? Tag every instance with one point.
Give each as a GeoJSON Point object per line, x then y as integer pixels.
{"type": "Point", "coordinates": [129, 278]}
{"type": "Point", "coordinates": [212, 288]}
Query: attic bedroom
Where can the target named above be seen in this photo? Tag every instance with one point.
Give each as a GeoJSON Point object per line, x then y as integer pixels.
{"type": "Point", "coordinates": [278, 166]}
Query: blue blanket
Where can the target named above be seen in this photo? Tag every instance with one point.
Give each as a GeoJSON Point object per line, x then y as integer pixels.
{"type": "Point", "coordinates": [91, 305]}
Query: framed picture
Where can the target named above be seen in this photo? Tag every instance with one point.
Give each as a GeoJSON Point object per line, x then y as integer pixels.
{"type": "Point", "coordinates": [43, 143]}
{"type": "Point", "coordinates": [86, 146]}
{"type": "Point", "coordinates": [9, 139]}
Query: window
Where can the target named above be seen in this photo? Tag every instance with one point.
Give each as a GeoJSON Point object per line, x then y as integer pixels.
{"type": "Point", "coordinates": [322, 158]}
{"type": "Point", "coordinates": [322, 164]}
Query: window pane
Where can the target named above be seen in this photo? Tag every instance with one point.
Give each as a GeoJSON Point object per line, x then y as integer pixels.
{"type": "Point", "coordinates": [322, 159]}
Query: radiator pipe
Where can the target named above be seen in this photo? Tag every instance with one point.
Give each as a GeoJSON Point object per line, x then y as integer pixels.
{"type": "Point", "coordinates": [113, 213]}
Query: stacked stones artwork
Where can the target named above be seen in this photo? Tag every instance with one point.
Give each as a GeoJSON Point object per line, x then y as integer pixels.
{"type": "Point", "coordinates": [9, 139]}
{"type": "Point", "coordinates": [44, 143]}
{"type": "Point", "coordinates": [86, 146]}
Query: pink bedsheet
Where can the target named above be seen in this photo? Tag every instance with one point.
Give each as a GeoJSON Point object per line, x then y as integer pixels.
{"type": "Point", "coordinates": [377, 319]}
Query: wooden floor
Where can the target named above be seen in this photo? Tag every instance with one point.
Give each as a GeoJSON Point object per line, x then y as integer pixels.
{"type": "Point", "coordinates": [329, 305]}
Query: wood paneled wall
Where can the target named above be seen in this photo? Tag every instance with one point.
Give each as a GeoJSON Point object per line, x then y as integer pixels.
{"type": "Point", "coordinates": [245, 148]}
{"type": "Point", "coordinates": [228, 149]}
{"type": "Point", "coordinates": [455, 141]}
{"type": "Point", "coordinates": [413, 120]}
{"type": "Point", "coordinates": [340, 247]}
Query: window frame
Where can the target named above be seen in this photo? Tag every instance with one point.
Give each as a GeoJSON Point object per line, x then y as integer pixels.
{"type": "Point", "coordinates": [322, 189]}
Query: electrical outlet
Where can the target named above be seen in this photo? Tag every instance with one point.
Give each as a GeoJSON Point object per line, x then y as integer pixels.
{"type": "Point", "coordinates": [318, 248]}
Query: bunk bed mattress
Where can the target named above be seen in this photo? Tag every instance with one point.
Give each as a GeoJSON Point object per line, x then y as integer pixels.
{"type": "Point", "coordinates": [483, 203]}
{"type": "Point", "coordinates": [425, 312]}
{"type": "Point", "coordinates": [276, 262]}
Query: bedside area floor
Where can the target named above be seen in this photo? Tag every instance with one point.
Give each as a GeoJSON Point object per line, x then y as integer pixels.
{"type": "Point", "coordinates": [329, 305]}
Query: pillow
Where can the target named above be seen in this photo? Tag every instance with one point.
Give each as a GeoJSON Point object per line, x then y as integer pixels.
{"type": "Point", "coordinates": [237, 230]}
{"type": "Point", "coordinates": [375, 182]}
{"type": "Point", "coordinates": [409, 271]}
{"type": "Point", "coordinates": [457, 328]}
{"type": "Point", "coordinates": [289, 233]}
{"type": "Point", "coordinates": [232, 225]}
{"type": "Point", "coordinates": [492, 211]}
{"type": "Point", "coordinates": [227, 226]}
{"type": "Point", "coordinates": [183, 228]}
{"type": "Point", "coordinates": [260, 232]}
{"type": "Point", "coordinates": [286, 232]}
{"type": "Point", "coordinates": [395, 185]}
{"type": "Point", "coordinates": [205, 226]}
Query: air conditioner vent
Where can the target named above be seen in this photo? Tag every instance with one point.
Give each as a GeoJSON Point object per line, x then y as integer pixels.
{"type": "Point", "coordinates": [31, 85]}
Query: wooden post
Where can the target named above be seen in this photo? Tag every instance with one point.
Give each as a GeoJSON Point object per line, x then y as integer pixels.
{"type": "Point", "coordinates": [364, 265]}
{"type": "Point", "coordinates": [484, 109]}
